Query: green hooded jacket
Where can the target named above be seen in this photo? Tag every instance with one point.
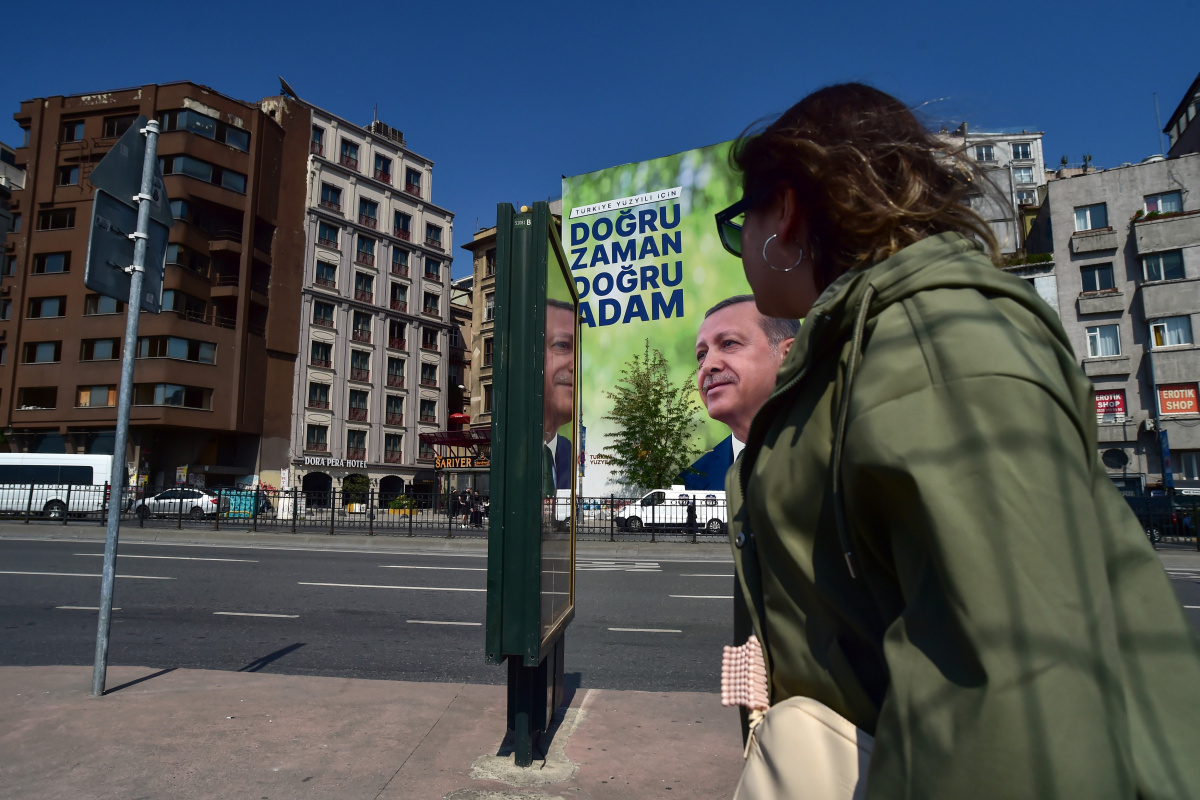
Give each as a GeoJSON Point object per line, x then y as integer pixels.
{"type": "Point", "coordinates": [1008, 631]}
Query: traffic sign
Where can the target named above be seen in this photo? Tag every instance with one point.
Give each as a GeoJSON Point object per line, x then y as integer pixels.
{"type": "Point", "coordinates": [120, 174]}
{"type": "Point", "coordinates": [110, 252]}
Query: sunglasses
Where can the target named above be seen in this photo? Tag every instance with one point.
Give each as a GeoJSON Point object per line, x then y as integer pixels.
{"type": "Point", "coordinates": [730, 221]}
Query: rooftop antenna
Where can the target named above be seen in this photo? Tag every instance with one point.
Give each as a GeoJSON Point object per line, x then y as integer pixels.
{"type": "Point", "coordinates": [375, 114]}
{"type": "Point", "coordinates": [288, 90]}
{"type": "Point", "coordinates": [1158, 121]}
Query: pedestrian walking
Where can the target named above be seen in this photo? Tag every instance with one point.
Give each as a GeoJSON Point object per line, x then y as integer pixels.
{"type": "Point", "coordinates": [464, 505]}
{"type": "Point", "coordinates": [940, 592]}
{"type": "Point", "coordinates": [477, 510]}
{"type": "Point", "coordinates": [691, 515]}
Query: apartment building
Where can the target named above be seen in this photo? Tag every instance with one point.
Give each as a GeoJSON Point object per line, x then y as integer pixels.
{"type": "Point", "coordinates": [483, 273]}
{"type": "Point", "coordinates": [374, 329]}
{"type": "Point", "coordinates": [12, 178]}
{"type": "Point", "coordinates": [462, 339]}
{"type": "Point", "coordinates": [230, 291]}
{"type": "Point", "coordinates": [1127, 258]}
{"type": "Point", "coordinates": [1183, 135]}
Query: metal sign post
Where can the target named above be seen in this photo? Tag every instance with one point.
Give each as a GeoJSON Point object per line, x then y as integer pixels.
{"type": "Point", "coordinates": [141, 238]}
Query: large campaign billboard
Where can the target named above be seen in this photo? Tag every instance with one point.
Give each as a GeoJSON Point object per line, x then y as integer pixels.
{"type": "Point", "coordinates": [647, 263]}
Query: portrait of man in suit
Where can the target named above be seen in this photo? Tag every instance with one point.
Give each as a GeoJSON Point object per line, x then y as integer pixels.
{"type": "Point", "coordinates": [738, 353]}
{"type": "Point", "coordinates": [559, 391]}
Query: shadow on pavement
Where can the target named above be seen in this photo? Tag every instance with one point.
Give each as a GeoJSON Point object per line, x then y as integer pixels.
{"type": "Point", "coordinates": [258, 663]}
{"type": "Point", "coordinates": [142, 679]}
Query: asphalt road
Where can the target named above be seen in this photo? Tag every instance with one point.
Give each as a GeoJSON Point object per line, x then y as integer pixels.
{"type": "Point", "coordinates": [655, 625]}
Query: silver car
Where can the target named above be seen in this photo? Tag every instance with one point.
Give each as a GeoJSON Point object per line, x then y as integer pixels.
{"type": "Point", "coordinates": [185, 501]}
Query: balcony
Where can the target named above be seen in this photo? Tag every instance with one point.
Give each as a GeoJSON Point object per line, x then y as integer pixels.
{"type": "Point", "coordinates": [434, 243]}
{"type": "Point", "coordinates": [328, 243]}
{"type": "Point", "coordinates": [433, 276]}
{"type": "Point", "coordinates": [432, 384]}
{"type": "Point", "coordinates": [430, 348]}
{"type": "Point", "coordinates": [393, 419]}
{"type": "Point", "coordinates": [364, 296]}
{"type": "Point", "coordinates": [358, 414]}
{"type": "Point", "coordinates": [1094, 240]}
{"type": "Point", "coordinates": [324, 322]}
{"type": "Point", "coordinates": [431, 312]}
{"type": "Point", "coordinates": [328, 283]}
{"type": "Point", "coordinates": [1101, 302]}
{"type": "Point", "coordinates": [400, 305]}
{"type": "Point", "coordinates": [1108, 365]}
{"type": "Point", "coordinates": [367, 221]}
{"type": "Point", "coordinates": [384, 177]}
{"type": "Point", "coordinates": [317, 149]}
{"type": "Point", "coordinates": [403, 234]}
{"type": "Point", "coordinates": [1176, 365]}
{"type": "Point", "coordinates": [348, 162]}
{"type": "Point", "coordinates": [356, 453]}
{"type": "Point", "coordinates": [1173, 232]}
{"type": "Point", "coordinates": [364, 258]}
{"type": "Point", "coordinates": [429, 418]}
{"type": "Point", "coordinates": [323, 364]}
{"type": "Point", "coordinates": [317, 447]}
{"type": "Point", "coordinates": [363, 375]}
{"type": "Point", "coordinates": [395, 381]}
{"type": "Point", "coordinates": [361, 335]}
{"type": "Point", "coordinates": [397, 344]}
{"type": "Point", "coordinates": [331, 206]}
{"type": "Point", "coordinates": [413, 188]}
{"type": "Point", "coordinates": [320, 404]}
{"type": "Point", "coordinates": [400, 270]}
{"type": "Point", "coordinates": [1169, 298]}
{"type": "Point", "coordinates": [392, 457]}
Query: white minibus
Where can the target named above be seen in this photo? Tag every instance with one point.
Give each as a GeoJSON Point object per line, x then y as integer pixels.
{"type": "Point", "coordinates": [53, 484]}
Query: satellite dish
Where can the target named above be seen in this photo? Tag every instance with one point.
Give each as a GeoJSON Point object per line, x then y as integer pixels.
{"type": "Point", "coordinates": [283, 86]}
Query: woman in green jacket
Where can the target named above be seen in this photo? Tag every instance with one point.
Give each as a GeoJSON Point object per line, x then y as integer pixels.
{"type": "Point", "coordinates": [924, 537]}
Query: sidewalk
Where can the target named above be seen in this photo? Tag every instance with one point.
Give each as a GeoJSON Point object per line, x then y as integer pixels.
{"type": "Point", "coordinates": [204, 734]}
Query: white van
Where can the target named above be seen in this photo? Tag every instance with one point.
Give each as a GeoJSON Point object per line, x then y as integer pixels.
{"type": "Point", "coordinates": [668, 508]}
{"type": "Point", "coordinates": [53, 484]}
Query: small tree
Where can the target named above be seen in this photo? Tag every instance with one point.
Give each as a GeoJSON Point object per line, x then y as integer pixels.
{"type": "Point", "coordinates": [655, 421]}
{"type": "Point", "coordinates": [355, 488]}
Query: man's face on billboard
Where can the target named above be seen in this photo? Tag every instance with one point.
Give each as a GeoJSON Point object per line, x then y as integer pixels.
{"type": "Point", "coordinates": [560, 367]}
{"type": "Point", "coordinates": [736, 365]}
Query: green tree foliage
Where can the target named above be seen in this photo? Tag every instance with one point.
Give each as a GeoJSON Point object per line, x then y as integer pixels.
{"type": "Point", "coordinates": [355, 488]}
{"type": "Point", "coordinates": [654, 421]}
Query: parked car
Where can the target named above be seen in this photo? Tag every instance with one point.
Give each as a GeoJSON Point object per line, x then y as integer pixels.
{"type": "Point", "coordinates": [186, 500]}
{"type": "Point", "coordinates": [667, 509]}
{"type": "Point", "coordinates": [1161, 517]}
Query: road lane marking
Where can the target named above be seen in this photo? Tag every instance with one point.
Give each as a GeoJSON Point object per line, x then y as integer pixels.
{"type": "Point", "coordinates": [1191, 606]}
{"type": "Point", "coordinates": [248, 614]}
{"type": "Point", "coordinates": [174, 558]}
{"type": "Point", "coordinates": [704, 596]}
{"type": "Point", "coordinates": [85, 575]}
{"type": "Point", "coordinates": [703, 575]}
{"type": "Point", "coordinates": [376, 586]}
{"type": "Point", "coordinates": [440, 622]}
{"type": "Point", "coordinates": [457, 569]}
{"type": "Point", "coordinates": [85, 608]}
{"type": "Point", "coordinates": [646, 630]}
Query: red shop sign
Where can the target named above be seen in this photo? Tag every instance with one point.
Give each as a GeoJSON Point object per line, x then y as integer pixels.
{"type": "Point", "coordinates": [1110, 403]}
{"type": "Point", "coordinates": [1178, 398]}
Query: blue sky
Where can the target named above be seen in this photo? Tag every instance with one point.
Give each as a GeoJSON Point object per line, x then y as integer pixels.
{"type": "Point", "coordinates": [507, 97]}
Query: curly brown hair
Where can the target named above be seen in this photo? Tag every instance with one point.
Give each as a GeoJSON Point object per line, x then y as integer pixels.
{"type": "Point", "coordinates": [870, 177]}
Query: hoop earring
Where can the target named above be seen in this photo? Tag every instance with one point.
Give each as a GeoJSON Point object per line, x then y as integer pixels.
{"type": "Point", "coordinates": [767, 260]}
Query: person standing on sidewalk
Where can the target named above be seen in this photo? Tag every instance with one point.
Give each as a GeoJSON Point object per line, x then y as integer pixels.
{"type": "Point", "coordinates": [932, 560]}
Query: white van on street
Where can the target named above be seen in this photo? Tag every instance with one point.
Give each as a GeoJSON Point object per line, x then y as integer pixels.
{"type": "Point", "coordinates": [668, 508]}
{"type": "Point", "coordinates": [54, 484]}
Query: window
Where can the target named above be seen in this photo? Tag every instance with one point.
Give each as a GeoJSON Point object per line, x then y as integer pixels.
{"type": "Point", "coordinates": [364, 287]}
{"type": "Point", "coordinates": [331, 197]}
{"type": "Point", "coordinates": [94, 304]}
{"type": "Point", "coordinates": [208, 127]}
{"type": "Point", "coordinates": [1189, 464]}
{"type": "Point", "coordinates": [177, 348]}
{"type": "Point", "coordinates": [321, 354]}
{"type": "Point", "coordinates": [1171, 332]}
{"type": "Point", "coordinates": [172, 394]}
{"type": "Point", "coordinates": [487, 398]}
{"type": "Point", "coordinates": [1090, 218]}
{"type": "Point", "coordinates": [358, 405]}
{"type": "Point", "coordinates": [317, 438]}
{"type": "Point", "coordinates": [431, 304]}
{"type": "Point", "coordinates": [1022, 151]}
{"type": "Point", "coordinates": [396, 334]}
{"type": "Point", "coordinates": [349, 154]}
{"type": "Point", "coordinates": [361, 327]}
{"type": "Point", "coordinates": [395, 372]}
{"type": "Point", "coordinates": [202, 170]}
{"type": "Point", "coordinates": [1166, 266]}
{"type": "Point", "coordinates": [318, 141]}
{"type": "Point", "coordinates": [400, 261]}
{"type": "Point", "coordinates": [428, 411]}
{"type": "Point", "coordinates": [356, 444]}
{"type": "Point", "coordinates": [1097, 278]}
{"type": "Point", "coordinates": [489, 262]}
{"type": "Point", "coordinates": [42, 352]}
{"type": "Point", "coordinates": [33, 397]}
{"type": "Point", "coordinates": [1027, 197]}
{"type": "Point", "coordinates": [395, 409]}
{"type": "Point", "coordinates": [114, 127]}
{"type": "Point", "coordinates": [318, 395]}
{"type": "Point", "coordinates": [5, 309]}
{"type": "Point", "coordinates": [366, 251]}
{"type": "Point", "coordinates": [184, 303]}
{"type": "Point", "coordinates": [393, 444]}
{"type": "Point", "coordinates": [68, 176]}
{"type": "Point", "coordinates": [488, 344]}
{"type": "Point", "coordinates": [433, 269]}
{"type": "Point", "coordinates": [412, 182]}
{"type": "Point", "coordinates": [72, 131]}
{"type": "Point", "coordinates": [323, 314]}
{"type": "Point", "coordinates": [383, 169]}
{"type": "Point", "coordinates": [327, 234]}
{"type": "Point", "coordinates": [187, 258]}
{"type": "Point", "coordinates": [489, 306]}
{"type": "Point", "coordinates": [429, 374]}
{"type": "Point", "coordinates": [429, 338]}
{"type": "Point", "coordinates": [1023, 174]}
{"type": "Point", "coordinates": [326, 274]}
{"type": "Point", "coordinates": [42, 307]}
{"type": "Point", "coordinates": [55, 219]}
{"type": "Point", "coordinates": [99, 349]}
{"type": "Point", "coordinates": [425, 450]}
{"type": "Point", "coordinates": [360, 365]}
{"type": "Point", "coordinates": [16, 223]}
{"type": "Point", "coordinates": [1165, 203]}
{"type": "Point", "coordinates": [456, 339]}
{"type": "Point", "coordinates": [9, 266]}
{"type": "Point", "coordinates": [3, 354]}
{"type": "Point", "coordinates": [368, 213]}
{"type": "Point", "coordinates": [1103, 341]}
{"type": "Point", "coordinates": [456, 376]}
{"type": "Point", "coordinates": [1110, 405]}
{"type": "Point", "coordinates": [399, 297]}
{"type": "Point", "coordinates": [433, 236]}
{"type": "Point", "coordinates": [50, 263]}
{"type": "Point", "coordinates": [985, 152]}
{"type": "Point", "coordinates": [103, 396]}
{"type": "Point", "coordinates": [403, 225]}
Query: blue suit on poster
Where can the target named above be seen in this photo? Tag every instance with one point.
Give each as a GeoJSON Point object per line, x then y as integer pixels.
{"type": "Point", "coordinates": [562, 464]}
{"type": "Point", "coordinates": [710, 468]}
